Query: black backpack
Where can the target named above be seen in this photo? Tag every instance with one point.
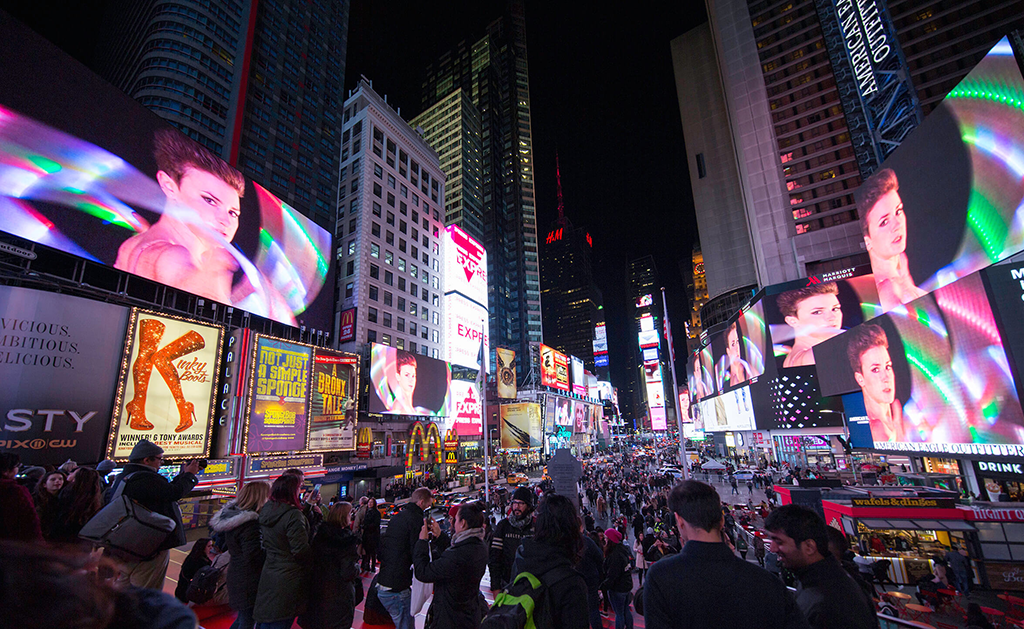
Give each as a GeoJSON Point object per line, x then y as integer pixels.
{"type": "Point", "coordinates": [205, 584]}
{"type": "Point", "coordinates": [524, 602]}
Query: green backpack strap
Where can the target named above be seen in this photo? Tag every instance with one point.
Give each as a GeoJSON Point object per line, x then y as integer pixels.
{"type": "Point", "coordinates": [525, 601]}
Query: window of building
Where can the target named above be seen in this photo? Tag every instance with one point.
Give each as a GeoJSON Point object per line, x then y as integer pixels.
{"type": "Point", "coordinates": [400, 324]}
{"type": "Point", "coordinates": [391, 219]}
{"type": "Point", "coordinates": [374, 250]}
{"type": "Point", "coordinates": [378, 171]}
{"type": "Point", "coordinates": [375, 229]}
{"type": "Point", "coordinates": [400, 343]}
{"type": "Point", "coordinates": [378, 191]}
{"type": "Point", "coordinates": [389, 257]}
{"type": "Point", "coordinates": [401, 261]}
{"type": "Point", "coordinates": [371, 315]}
{"type": "Point", "coordinates": [349, 288]}
{"type": "Point", "coordinates": [385, 339]}
{"type": "Point", "coordinates": [351, 247]}
{"type": "Point", "coordinates": [412, 308]}
{"type": "Point", "coordinates": [373, 293]}
{"type": "Point", "coordinates": [433, 335]}
{"type": "Point", "coordinates": [387, 319]}
{"type": "Point", "coordinates": [350, 268]}
{"type": "Point", "coordinates": [412, 328]}
{"type": "Point", "coordinates": [401, 245]}
{"type": "Point", "coordinates": [376, 209]}
{"type": "Point", "coordinates": [403, 226]}
{"type": "Point", "coordinates": [412, 346]}
{"type": "Point", "coordinates": [389, 278]}
{"type": "Point", "coordinates": [401, 282]}
{"type": "Point", "coordinates": [425, 313]}
{"type": "Point", "coordinates": [374, 271]}
{"type": "Point", "coordinates": [371, 336]}
{"type": "Point", "coordinates": [391, 199]}
{"type": "Point", "coordinates": [401, 304]}
{"type": "Point", "coordinates": [424, 332]}
{"type": "Point", "coordinates": [391, 182]}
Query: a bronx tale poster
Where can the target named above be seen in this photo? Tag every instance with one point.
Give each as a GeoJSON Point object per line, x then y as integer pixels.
{"type": "Point", "coordinates": [332, 407]}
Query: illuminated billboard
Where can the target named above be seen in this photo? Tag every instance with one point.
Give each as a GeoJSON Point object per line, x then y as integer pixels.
{"type": "Point", "coordinates": [730, 411]}
{"type": "Point", "coordinates": [506, 373]}
{"type": "Point", "coordinates": [658, 418]}
{"type": "Point", "coordinates": [402, 383]}
{"type": "Point", "coordinates": [740, 349]}
{"type": "Point", "coordinates": [279, 396]}
{"type": "Point", "coordinates": [465, 265]}
{"type": "Point", "coordinates": [644, 301]}
{"type": "Point", "coordinates": [86, 170]}
{"type": "Point", "coordinates": [601, 360]}
{"type": "Point", "coordinates": [563, 411]}
{"type": "Point", "coordinates": [948, 201]}
{"type": "Point", "coordinates": [347, 325]}
{"type": "Point", "coordinates": [59, 364]}
{"type": "Point", "coordinates": [554, 368]}
{"type": "Point", "coordinates": [579, 383]}
{"type": "Point", "coordinates": [465, 409]}
{"type": "Point", "coordinates": [521, 425]}
{"type": "Point", "coordinates": [600, 338]}
{"type": "Point", "coordinates": [933, 374]}
{"type": "Point", "coordinates": [333, 399]}
{"type": "Point", "coordinates": [646, 323]}
{"type": "Point", "coordinates": [648, 338]}
{"type": "Point", "coordinates": [464, 322]}
{"type": "Point", "coordinates": [168, 385]}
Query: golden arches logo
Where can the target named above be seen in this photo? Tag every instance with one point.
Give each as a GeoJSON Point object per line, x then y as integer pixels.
{"type": "Point", "coordinates": [428, 437]}
{"type": "Point", "coordinates": [434, 440]}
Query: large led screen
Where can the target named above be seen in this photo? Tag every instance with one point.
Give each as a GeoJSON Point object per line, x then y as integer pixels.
{"type": "Point", "coordinates": [333, 399]}
{"type": "Point", "coordinates": [730, 411]}
{"type": "Point", "coordinates": [279, 396]}
{"type": "Point", "coordinates": [465, 322]}
{"type": "Point", "coordinates": [465, 265]}
{"type": "Point", "coordinates": [87, 170]}
{"type": "Point", "coordinates": [563, 411]}
{"type": "Point", "coordinates": [700, 374]}
{"type": "Point", "coordinates": [521, 425]}
{"type": "Point", "coordinates": [403, 383]}
{"type": "Point", "coordinates": [579, 383]}
{"type": "Point", "coordinates": [740, 349]}
{"type": "Point", "coordinates": [948, 201]}
{"type": "Point", "coordinates": [801, 314]}
{"type": "Point", "coordinates": [59, 360]}
{"type": "Point", "coordinates": [168, 385]}
{"type": "Point", "coordinates": [554, 368]}
{"type": "Point", "coordinates": [933, 374]}
{"type": "Point", "coordinates": [465, 412]}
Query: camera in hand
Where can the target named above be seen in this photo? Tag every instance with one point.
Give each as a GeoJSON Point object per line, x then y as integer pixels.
{"type": "Point", "coordinates": [203, 463]}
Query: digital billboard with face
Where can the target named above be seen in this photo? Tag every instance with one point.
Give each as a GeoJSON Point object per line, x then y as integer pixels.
{"type": "Point", "coordinates": [87, 170]}
{"type": "Point", "coordinates": [948, 201]}
{"type": "Point", "coordinates": [464, 323]}
{"type": "Point", "coordinates": [402, 383]}
{"type": "Point", "coordinates": [58, 364]}
{"type": "Point", "coordinates": [740, 349]}
{"type": "Point", "coordinates": [933, 373]}
{"type": "Point", "coordinates": [579, 383]}
{"type": "Point", "coordinates": [465, 265]}
{"type": "Point", "coordinates": [554, 368]}
{"type": "Point", "coordinates": [563, 411]}
{"type": "Point", "coordinates": [174, 410]}
{"type": "Point", "coordinates": [700, 374]}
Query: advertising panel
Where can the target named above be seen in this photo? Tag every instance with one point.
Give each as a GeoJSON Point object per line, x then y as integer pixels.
{"type": "Point", "coordinates": [333, 398]}
{"type": "Point", "coordinates": [405, 384]}
{"type": "Point", "coordinates": [658, 418]}
{"type": "Point", "coordinates": [173, 410]}
{"type": "Point", "coordinates": [700, 374]}
{"type": "Point", "coordinates": [549, 414]}
{"type": "Point", "coordinates": [86, 170]}
{"type": "Point", "coordinates": [465, 412]}
{"type": "Point", "coordinates": [464, 321]}
{"type": "Point", "coordinates": [730, 411]}
{"type": "Point", "coordinates": [58, 366]}
{"type": "Point", "coordinates": [684, 406]}
{"type": "Point", "coordinates": [691, 432]}
{"type": "Point", "coordinates": [655, 393]}
{"type": "Point", "coordinates": [740, 349]}
{"type": "Point", "coordinates": [279, 396]}
{"type": "Point", "coordinates": [604, 390]}
{"type": "Point", "coordinates": [347, 325]}
{"type": "Point", "coordinates": [601, 360]}
{"type": "Point", "coordinates": [554, 368]}
{"type": "Point", "coordinates": [579, 383]}
{"type": "Point", "coordinates": [521, 425]}
{"type": "Point", "coordinates": [948, 201]}
{"type": "Point", "coordinates": [933, 375]}
{"type": "Point", "coordinates": [231, 399]}
{"type": "Point", "coordinates": [563, 411]}
{"type": "Point", "coordinates": [506, 373]}
{"type": "Point", "coordinates": [581, 414]}
{"type": "Point", "coordinates": [465, 265]}
{"type": "Point", "coordinates": [600, 338]}
{"type": "Point", "coordinates": [648, 339]}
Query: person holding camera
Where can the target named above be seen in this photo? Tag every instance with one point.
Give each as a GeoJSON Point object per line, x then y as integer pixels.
{"type": "Point", "coordinates": [144, 484]}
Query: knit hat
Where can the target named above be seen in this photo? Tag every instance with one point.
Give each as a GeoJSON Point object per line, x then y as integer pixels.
{"type": "Point", "coordinates": [613, 536]}
{"type": "Point", "coordinates": [144, 449]}
{"type": "Point", "coordinates": [453, 511]}
{"type": "Point", "coordinates": [105, 466]}
{"type": "Point", "coordinates": [524, 494]}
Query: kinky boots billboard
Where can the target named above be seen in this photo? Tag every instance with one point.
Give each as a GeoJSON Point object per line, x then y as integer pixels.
{"type": "Point", "coordinates": [59, 359]}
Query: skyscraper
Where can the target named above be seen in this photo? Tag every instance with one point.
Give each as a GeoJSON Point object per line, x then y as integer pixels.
{"type": "Point", "coordinates": [696, 293]}
{"type": "Point", "coordinates": [569, 296]}
{"type": "Point", "coordinates": [261, 87]}
{"type": "Point", "coordinates": [643, 289]}
{"type": "Point", "coordinates": [493, 70]}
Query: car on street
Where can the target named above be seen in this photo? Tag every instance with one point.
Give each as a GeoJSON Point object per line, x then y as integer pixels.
{"type": "Point", "coordinates": [518, 479]}
{"type": "Point", "coordinates": [671, 470]}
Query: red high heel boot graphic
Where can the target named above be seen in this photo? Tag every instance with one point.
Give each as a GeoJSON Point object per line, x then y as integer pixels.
{"type": "Point", "coordinates": [150, 333]}
{"type": "Point", "coordinates": [163, 360]}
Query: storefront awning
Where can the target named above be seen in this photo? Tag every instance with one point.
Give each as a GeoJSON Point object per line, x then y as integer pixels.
{"type": "Point", "coordinates": [917, 525]}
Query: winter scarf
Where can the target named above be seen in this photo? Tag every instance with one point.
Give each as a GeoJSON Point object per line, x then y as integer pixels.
{"type": "Point", "coordinates": [520, 522]}
{"type": "Point", "coordinates": [467, 533]}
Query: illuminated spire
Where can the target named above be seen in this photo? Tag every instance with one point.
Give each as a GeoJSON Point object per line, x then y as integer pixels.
{"type": "Point", "coordinates": [558, 177]}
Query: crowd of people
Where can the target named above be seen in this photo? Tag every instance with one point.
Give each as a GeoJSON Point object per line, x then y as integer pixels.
{"type": "Point", "coordinates": [633, 540]}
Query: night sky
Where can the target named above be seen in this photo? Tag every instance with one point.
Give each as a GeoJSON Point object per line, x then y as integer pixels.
{"type": "Point", "coordinates": [602, 95]}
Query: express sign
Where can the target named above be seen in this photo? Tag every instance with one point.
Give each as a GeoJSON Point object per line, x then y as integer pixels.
{"type": "Point", "coordinates": [465, 414]}
{"type": "Point", "coordinates": [464, 320]}
{"type": "Point", "coordinates": [465, 265]}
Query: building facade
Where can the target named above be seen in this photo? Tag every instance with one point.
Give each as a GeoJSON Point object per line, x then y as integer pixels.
{"type": "Point", "coordinates": [643, 290]}
{"type": "Point", "coordinates": [696, 293]}
{"type": "Point", "coordinates": [390, 278]}
{"type": "Point", "coordinates": [494, 71]}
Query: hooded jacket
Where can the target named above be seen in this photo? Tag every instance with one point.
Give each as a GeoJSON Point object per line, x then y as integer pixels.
{"type": "Point", "coordinates": [618, 577]}
{"type": "Point", "coordinates": [456, 575]}
{"type": "Point", "coordinates": [508, 534]}
{"type": "Point", "coordinates": [156, 493]}
{"type": "Point", "coordinates": [396, 546]}
{"type": "Point", "coordinates": [567, 590]}
{"type": "Point", "coordinates": [241, 530]}
{"type": "Point", "coordinates": [332, 592]}
{"type": "Point", "coordinates": [283, 584]}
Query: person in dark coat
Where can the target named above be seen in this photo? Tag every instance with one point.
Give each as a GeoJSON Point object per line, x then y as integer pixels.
{"type": "Point", "coordinates": [283, 582]}
{"type": "Point", "coordinates": [706, 584]}
{"type": "Point", "coordinates": [618, 579]}
{"type": "Point", "coordinates": [79, 500]}
{"type": "Point", "coordinates": [239, 522]}
{"type": "Point", "coordinates": [370, 536]}
{"type": "Point", "coordinates": [144, 484]}
{"type": "Point", "coordinates": [201, 555]}
{"type": "Point", "coordinates": [507, 536]}
{"type": "Point", "coordinates": [825, 593]}
{"type": "Point", "coordinates": [394, 581]}
{"type": "Point", "coordinates": [18, 518]}
{"type": "Point", "coordinates": [551, 555]}
{"type": "Point", "coordinates": [455, 572]}
{"type": "Point", "coordinates": [591, 566]}
{"type": "Point", "coordinates": [332, 603]}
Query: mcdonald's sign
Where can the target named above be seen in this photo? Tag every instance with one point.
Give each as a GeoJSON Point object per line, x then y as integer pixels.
{"type": "Point", "coordinates": [347, 326]}
{"type": "Point", "coordinates": [429, 437]}
{"type": "Point", "coordinates": [451, 440]}
{"type": "Point", "coordinates": [364, 442]}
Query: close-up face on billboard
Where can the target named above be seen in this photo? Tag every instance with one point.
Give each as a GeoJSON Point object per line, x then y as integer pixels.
{"type": "Point", "coordinates": [402, 383]}
{"type": "Point", "coordinates": [700, 374]}
{"type": "Point", "coordinates": [86, 170]}
{"type": "Point", "coordinates": [740, 349]}
{"type": "Point", "coordinates": [333, 399]}
{"type": "Point", "coordinates": [168, 384]}
{"type": "Point", "coordinates": [279, 396]}
{"type": "Point", "coordinates": [948, 201]}
{"type": "Point", "coordinates": [58, 364]}
{"type": "Point", "coordinates": [933, 374]}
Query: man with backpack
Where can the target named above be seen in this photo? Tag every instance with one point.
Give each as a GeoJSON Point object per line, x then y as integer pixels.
{"type": "Point", "coordinates": [144, 484]}
{"type": "Point", "coordinates": [508, 534]}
